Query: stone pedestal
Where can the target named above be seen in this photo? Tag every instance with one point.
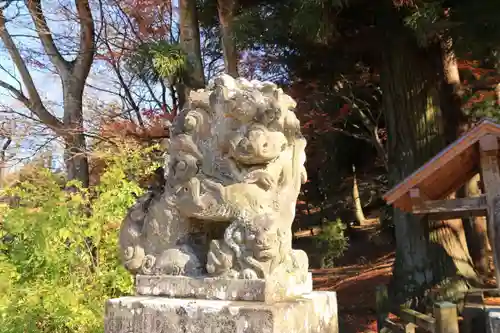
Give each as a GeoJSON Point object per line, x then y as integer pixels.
{"type": "Point", "coordinates": [274, 289]}
{"type": "Point", "coordinates": [315, 312]}
{"type": "Point", "coordinates": [493, 320]}
{"type": "Point", "coordinates": [236, 165]}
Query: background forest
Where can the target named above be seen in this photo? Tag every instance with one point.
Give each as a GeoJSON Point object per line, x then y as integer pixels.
{"type": "Point", "coordinates": [89, 87]}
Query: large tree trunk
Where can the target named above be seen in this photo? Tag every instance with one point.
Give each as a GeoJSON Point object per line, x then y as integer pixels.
{"type": "Point", "coordinates": [226, 18]}
{"type": "Point", "coordinates": [75, 153]}
{"type": "Point", "coordinates": [73, 75]}
{"type": "Point", "coordinates": [476, 231]}
{"type": "Point", "coordinates": [190, 43]}
{"type": "Point", "coordinates": [456, 123]}
{"type": "Point", "coordinates": [427, 253]}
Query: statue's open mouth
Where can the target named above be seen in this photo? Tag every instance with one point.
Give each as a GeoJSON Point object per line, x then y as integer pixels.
{"type": "Point", "coordinates": [263, 252]}
{"type": "Point", "coordinates": [264, 255]}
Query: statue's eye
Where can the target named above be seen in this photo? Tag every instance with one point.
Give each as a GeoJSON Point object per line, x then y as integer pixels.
{"type": "Point", "coordinates": [185, 189]}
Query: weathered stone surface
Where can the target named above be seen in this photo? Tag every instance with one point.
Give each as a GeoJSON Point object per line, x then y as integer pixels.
{"type": "Point", "coordinates": [235, 159]}
{"type": "Point", "coordinates": [269, 290]}
{"type": "Point", "coordinates": [312, 313]}
{"type": "Point", "coordinates": [493, 320]}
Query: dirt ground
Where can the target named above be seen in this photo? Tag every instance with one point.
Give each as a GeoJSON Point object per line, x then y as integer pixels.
{"type": "Point", "coordinates": [355, 287]}
{"type": "Point", "coordinates": [364, 266]}
{"type": "Point", "coordinates": [367, 263]}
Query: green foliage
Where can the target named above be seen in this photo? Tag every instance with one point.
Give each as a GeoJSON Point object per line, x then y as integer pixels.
{"type": "Point", "coordinates": [169, 60]}
{"type": "Point", "coordinates": [485, 107]}
{"type": "Point", "coordinates": [477, 28]}
{"type": "Point", "coordinates": [426, 21]}
{"type": "Point", "coordinates": [282, 22]}
{"type": "Point", "coordinates": [58, 262]}
{"type": "Point", "coordinates": [332, 241]}
{"type": "Point", "coordinates": [156, 60]}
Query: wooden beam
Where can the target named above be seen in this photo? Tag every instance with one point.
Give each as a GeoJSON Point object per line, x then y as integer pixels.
{"type": "Point", "coordinates": [392, 327]}
{"type": "Point", "coordinates": [421, 320]}
{"type": "Point", "coordinates": [460, 181]}
{"type": "Point", "coordinates": [442, 159]}
{"type": "Point", "coordinates": [417, 197]}
{"type": "Point", "coordinates": [490, 176]}
{"type": "Point", "coordinates": [453, 208]}
{"type": "Point", "coordinates": [488, 142]}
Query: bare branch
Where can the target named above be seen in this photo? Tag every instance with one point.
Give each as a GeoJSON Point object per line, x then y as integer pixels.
{"type": "Point", "coordinates": [87, 40]}
{"type": "Point", "coordinates": [16, 93]}
{"type": "Point", "coordinates": [34, 102]}
{"type": "Point", "coordinates": [35, 8]}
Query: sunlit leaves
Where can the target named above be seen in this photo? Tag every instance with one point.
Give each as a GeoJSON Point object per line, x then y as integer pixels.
{"type": "Point", "coordinates": [49, 277]}
{"type": "Point", "coordinates": [332, 241]}
{"type": "Point", "coordinates": [169, 60]}
{"type": "Point", "coordinates": [158, 60]}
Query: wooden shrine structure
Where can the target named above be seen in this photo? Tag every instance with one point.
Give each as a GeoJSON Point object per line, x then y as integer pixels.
{"type": "Point", "coordinates": [425, 191]}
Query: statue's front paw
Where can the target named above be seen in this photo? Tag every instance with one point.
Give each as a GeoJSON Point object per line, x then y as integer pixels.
{"type": "Point", "coordinates": [178, 261]}
{"type": "Point", "coordinates": [148, 264]}
{"type": "Point", "coordinates": [248, 274]}
{"type": "Point", "coordinates": [261, 178]}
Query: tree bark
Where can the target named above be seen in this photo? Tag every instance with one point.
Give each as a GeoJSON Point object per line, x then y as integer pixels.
{"type": "Point", "coordinates": [226, 10]}
{"type": "Point", "coordinates": [456, 123]}
{"type": "Point", "coordinates": [427, 253]}
{"type": "Point", "coordinates": [476, 231]}
{"type": "Point", "coordinates": [3, 160]}
{"type": "Point", "coordinates": [73, 75]}
{"type": "Point", "coordinates": [358, 207]}
{"type": "Point", "coordinates": [75, 154]}
{"type": "Point", "coordinates": [190, 43]}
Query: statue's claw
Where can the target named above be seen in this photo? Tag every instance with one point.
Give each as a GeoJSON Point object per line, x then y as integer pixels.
{"type": "Point", "coordinates": [260, 178]}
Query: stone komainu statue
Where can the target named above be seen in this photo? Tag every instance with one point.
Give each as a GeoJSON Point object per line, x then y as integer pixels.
{"type": "Point", "coordinates": [234, 169]}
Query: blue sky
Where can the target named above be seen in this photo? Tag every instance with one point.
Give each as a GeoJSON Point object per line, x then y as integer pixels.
{"type": "Point", "coordinates": [47, 83]}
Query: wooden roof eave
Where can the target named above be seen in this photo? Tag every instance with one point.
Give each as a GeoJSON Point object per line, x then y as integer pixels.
{"type": "Point", "coordinates": [400, 192]}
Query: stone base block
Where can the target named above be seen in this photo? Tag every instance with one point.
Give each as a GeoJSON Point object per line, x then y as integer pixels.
{"type": "Point", "coordinates": [269, 291]}
{"type": "Point", "coordinates": [493, 320]}
{"type": "Point", "coordinates": [312, 313]}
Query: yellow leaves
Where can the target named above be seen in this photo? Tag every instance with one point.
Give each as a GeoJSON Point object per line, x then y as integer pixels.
{"type": "Point", "coordinates": [47, 276]}
{"type": "Point", "coordinates": [64, 234]}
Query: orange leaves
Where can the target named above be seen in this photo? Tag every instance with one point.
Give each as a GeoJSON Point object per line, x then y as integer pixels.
{"type": "Point", "coordinates": [479, 97]}
{"type": "Point", "coordinates": [152, 17]}
{"type": "Point", "coordinates": [111, 57]}
{"type": "Point", "coordinates": [128, 129]}
{"type": "Point", "coordinates": [155, 125]}
{"type": "Point", "coordinates": [403, 3]}
{"type": "Point", "coordinates": [480, 81]}
{"type": "Point", "coordinates": [473, 67]}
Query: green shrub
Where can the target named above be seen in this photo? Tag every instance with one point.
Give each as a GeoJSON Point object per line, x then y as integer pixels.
{"type": "Point", "coordinates": [58, 262]}
{"type": "Point", "coordinates": [332, 242]}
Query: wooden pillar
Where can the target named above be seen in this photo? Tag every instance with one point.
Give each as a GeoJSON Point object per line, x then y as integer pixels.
{"type": "Point", "coordinates": [410, 328]}
{"type": "Point", "coordinates": [446, 317]}
{"type": "Point", "coordinates": [490, 176]}
{"type": "Point", "coordinates": [381, 304]}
